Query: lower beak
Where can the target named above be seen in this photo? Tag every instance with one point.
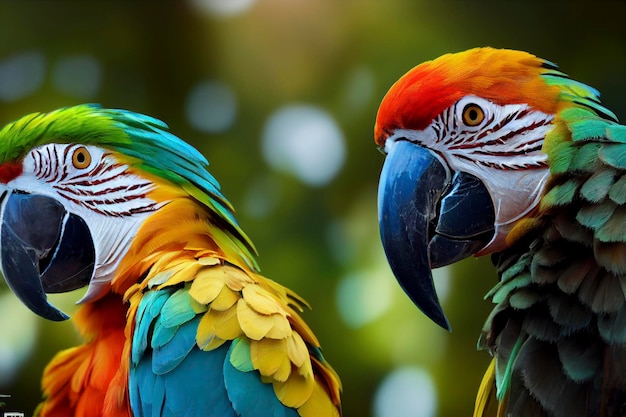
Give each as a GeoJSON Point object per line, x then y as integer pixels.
{"type": "Point", "coordinates": [429, 217]}
{"type": "Point", "coordinates": [43, 249]}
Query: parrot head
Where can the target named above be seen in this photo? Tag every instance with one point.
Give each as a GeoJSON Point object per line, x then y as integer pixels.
{"type": "Point", "coordinates": [77, 184]}
{"type": "Point", "coordinates": [465, 158]}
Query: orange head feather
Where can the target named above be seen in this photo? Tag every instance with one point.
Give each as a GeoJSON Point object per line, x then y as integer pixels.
{"type": "Point", "coordinates": [500, 75]}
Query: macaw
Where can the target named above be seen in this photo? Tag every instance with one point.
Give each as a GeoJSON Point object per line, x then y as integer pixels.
{"type": "Point", "coordinates": [497, 152]}
{"type": "Point", "coordinates": [176, 318]}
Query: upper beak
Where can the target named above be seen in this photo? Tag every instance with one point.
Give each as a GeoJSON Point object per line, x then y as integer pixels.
{"type": "Point", "coordinates": [43, 249]}
{"type": "Point", "coordinates": [429, 217]}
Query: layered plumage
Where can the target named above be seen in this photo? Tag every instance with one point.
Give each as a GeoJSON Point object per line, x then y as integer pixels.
{"type": "Point", "coordinates": [543, 189]}
{"type": "Point", "coordinates": [177, 319]}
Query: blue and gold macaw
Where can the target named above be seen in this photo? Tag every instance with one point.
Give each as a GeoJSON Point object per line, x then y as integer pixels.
{"type": "Point", "coordinates": [176, 319]}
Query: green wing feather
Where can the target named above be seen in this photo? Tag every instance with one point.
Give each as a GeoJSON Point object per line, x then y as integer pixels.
{"type": "Point", "coordinates": [558, 329]}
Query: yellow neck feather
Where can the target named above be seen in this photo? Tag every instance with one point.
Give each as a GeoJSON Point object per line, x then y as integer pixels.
{"type": "Point", "coordinates": [180, 228]}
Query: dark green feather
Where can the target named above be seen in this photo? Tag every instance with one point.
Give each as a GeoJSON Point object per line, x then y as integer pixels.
{"type": "Point", "coordinates": [617, 193]}
{"type": "Point", "coordinates": [594, 216]}
{"type": "Point", "coordinates": [585, 157]}
{"type": "Point", "coordinates": [613, 155]}
{"type": "Point", "coordinates": [560, 314]}
{"type": "Point", "coordinates": [598, 185]}
{"type": "Point", "coordinates": [561, 195]}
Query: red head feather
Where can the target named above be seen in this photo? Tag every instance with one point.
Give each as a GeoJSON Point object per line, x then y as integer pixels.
{"type": "Point", "coordinates": [9, 170]}
{"type": "Point", "coordinates": [500, 75]}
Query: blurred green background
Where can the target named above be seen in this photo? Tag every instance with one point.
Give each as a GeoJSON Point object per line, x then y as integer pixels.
{"type": "Point", "coordinates": [281, 96]}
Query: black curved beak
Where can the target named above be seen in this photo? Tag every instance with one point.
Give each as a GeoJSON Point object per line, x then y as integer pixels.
{"type": "Point", "coordinates": [429, 217]}
{"type": "Point", "coordinates": [43, 249]}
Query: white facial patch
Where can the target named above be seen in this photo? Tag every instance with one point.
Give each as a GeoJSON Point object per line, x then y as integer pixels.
{"type": "Point", "coordinates": [503, 150]}
{"type": "Point", "coordinates": [92, 184]}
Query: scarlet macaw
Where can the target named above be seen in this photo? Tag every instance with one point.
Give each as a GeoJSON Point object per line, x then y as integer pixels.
{"type": "Point", "coordinates": [497, 152]}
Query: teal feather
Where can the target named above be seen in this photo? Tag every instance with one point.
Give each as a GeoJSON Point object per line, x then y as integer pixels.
{"type": "Point", "coordinates": [562, 194]}
{"type": "Point", "coordinates": [505, 289]}
{"type": "Point", "coordinates": [524, 298]}
{"type": "Point", "coordinates": [584, 158]}
{"type": "Point", "coordinates": [613, 155]}
{"type": "Point", "coordinates": [616, 133]}
{"type": "Point", "coordinates": [617, 193]}
{"type": "Point", "coordinates": [177, 310]}
{"type": "Point", "coordinates": [614, 230]}
{"type": "Point", "coordinates": [588, 129]}
{"type": "Point", "coordinates": [173, 313]}
{"type": "Point", "coordinates": [512, 272]}
{"type": "Point", "coordinates": [147, 311]}
{"type": "Point", "coordinates": [596, 215]}
{"type": "Point", "coordinates": [597, 187]}
{"type": "Point", "coordinates": [240, 384]}
{"type": "Point", "coordinates": [170, 355]}
{"type": "Point", "coordinates": [239, 355]}
{"type": "Point", "coordinates": [162, 335]}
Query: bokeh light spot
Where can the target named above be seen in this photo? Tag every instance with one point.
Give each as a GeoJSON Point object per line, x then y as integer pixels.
{"type": "Point", "coordinates": [21, 75]}
{"type": "Point", "coordinates": [306, 142]}
{"type": "Point", "coordinates": [211, 107]}
{"type": "Point", "coordinates": [406, 392]}
{"type": "Point", "coordinates": [262, 197]}
{"type": "Point", "coordinates": [223, 8]}
{"type": "Point", "coordinates": [79, 76]}
{"type": "Point", "coordinates": [363, 297]}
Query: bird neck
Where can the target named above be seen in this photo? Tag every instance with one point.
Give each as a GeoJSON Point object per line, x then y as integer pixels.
{"type": "Point", "coordinates": [180, 229]}
{"type": "Point", "coordinates": [560, 148]}
{"type": "Point", "coordinates": [574, 157]}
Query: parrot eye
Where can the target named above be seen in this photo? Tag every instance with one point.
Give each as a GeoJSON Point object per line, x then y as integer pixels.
{"type": "Point", "coordinates": [81, 158]}
{"type": "Point", "coordinates": [473, 115]}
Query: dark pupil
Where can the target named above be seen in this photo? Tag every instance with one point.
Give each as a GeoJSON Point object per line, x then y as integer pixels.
{"type": "Point", "coordinates": [80, 157]}
{"type": "Point", "coordinates": [473, 114]}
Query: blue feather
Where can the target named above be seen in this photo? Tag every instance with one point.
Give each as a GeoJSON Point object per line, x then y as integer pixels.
{"type": "Point", "coordinates": [170, 356]}
{"type": "Point", "coordinates": [147, 311]}
{"type": "Point", "coordinates": [242, 386]}
{"type": "Point", "coordinates": [172, 395]}
{"type": "Point", "coordinates": [177, 310]}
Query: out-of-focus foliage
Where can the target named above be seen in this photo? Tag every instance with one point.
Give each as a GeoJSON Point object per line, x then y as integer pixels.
{"type": "Point", "coordinates": [281, 96]}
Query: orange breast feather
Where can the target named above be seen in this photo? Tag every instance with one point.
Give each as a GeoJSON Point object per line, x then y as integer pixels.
{"type": "Point", "coordinates": [91, 379]}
